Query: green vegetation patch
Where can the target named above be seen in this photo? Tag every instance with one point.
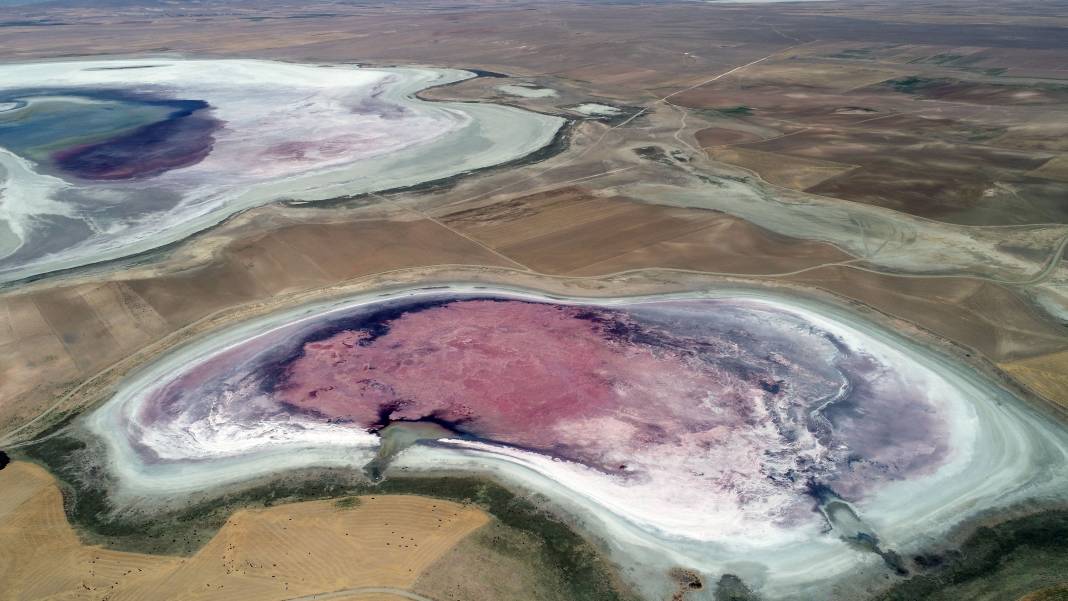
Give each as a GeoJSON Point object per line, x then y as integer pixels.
{"type": "Point", "coordinates": [735, 111]}
{"type": "Point", "coordinates": [854, 54]}
{"type": "Point", "coordinates": [731, 588]}
{"type": "Point", "coordinates": [348, 502]}
{"type": "Point", "coordinates": [1008, 560]}
{"type": "Point", "coordinates": [726, 112]}
{"type": "Point", "coordinates": [913, 84]}
{"type": "Point", "coordinates": [653, 153]}
{"type": "Point", "coordinates": [938, 59]}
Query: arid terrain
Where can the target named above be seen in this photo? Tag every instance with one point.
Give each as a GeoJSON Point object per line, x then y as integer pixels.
{"type": "Point", "coordinates": [906, 159]}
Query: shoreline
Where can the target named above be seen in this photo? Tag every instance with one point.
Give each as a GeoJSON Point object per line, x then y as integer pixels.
{"type": "Point", "coordinates": [370, 294]}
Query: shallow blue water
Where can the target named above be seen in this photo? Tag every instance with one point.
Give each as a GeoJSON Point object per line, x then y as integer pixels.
{"type": "Point", "coordinates": [104, 134]}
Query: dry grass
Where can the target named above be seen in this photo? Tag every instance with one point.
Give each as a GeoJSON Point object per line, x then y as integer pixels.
{"type": "Point", "coordinates": [1046, 374]}
{"type": "Point", "coordinates": [837, 76]}
{"type": "Point", "coordinates": [43, 558]}
{"type": "Point", "coordinates": [1053, 593]}
{"type": "Point", "coordinates": [277, 553]}
{"type": "Point", "coordinates": [723, 136]}
{"type": "Point", "coordinates": [368, 597]}
{"type": "Point", "coordinates": [987, 317]}
{"type": "Point", "coordinates": [798, 173]}
{"type": "Point", "coordinates": [1055, 169]}
{"type": "Point", "coordinates": [572, 232]}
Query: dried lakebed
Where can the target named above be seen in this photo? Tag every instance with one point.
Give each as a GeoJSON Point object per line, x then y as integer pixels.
{"type": "Point", "coordinates": [105, 159]}
{"type": "Point", "coordinates": [782, 440]}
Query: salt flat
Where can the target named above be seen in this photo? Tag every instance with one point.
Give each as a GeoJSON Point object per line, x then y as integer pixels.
{"type": "Point", "coordinates": [739, 447]}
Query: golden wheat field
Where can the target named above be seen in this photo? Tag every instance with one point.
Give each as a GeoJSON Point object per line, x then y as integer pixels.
{"type": "Point", "coordinates": [316, 549]}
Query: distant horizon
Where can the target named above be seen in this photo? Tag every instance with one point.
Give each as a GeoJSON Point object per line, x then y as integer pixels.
{"type": "Point", "coordinates": [534, 300]}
